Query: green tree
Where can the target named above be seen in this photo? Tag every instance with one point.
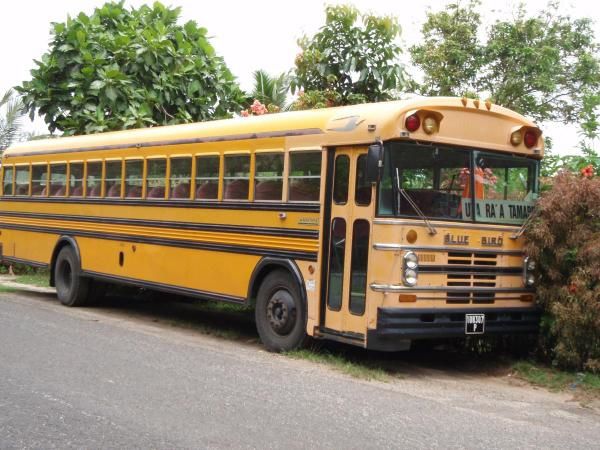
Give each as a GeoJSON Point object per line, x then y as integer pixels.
{"type": "Point", "coordinates": [544, 66]}
{"type": "Point", "coordinates": [11, 118]}
{"type": "Point", "coordinates": [120, 68]}
{"type": "Point", "coordinates": [352, 58]}
{"type": "Point", "coordinates": [450, 54]}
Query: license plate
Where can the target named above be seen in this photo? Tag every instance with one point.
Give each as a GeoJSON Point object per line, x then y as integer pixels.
{"type": "Point", "coordinates": [474, 323]}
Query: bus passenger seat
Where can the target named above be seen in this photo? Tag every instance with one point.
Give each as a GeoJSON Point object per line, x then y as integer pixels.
{"type": "Point", "coordinates": [268, 190]}
{"type": "Point", "coordinates": [95, 191]}
{"type": "Point", "coordinates": [114, 191]}
{"type": "Point", "coordinates": [207, 190]}
{"type": "Point", "coordinates": [157, 192]}
{"type": "Point", "coordinates": [134, 192]}
{"type": "Point", "coordinates": [77, 192]}
{"type": "Point", "coordinates": [182, 190]}
{"type": "Point", "coordinates": [236, 190]}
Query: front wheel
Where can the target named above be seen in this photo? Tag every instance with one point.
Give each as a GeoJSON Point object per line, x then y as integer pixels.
{"type": "Point", "coordinates": [71, 288]}
{"type": "Point", "coordinates": [280, 313]}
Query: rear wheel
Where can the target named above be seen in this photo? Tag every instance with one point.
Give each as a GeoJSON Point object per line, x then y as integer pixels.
{"type": "Point", "coordinates": [280, 313]}
{"type": "Point", "coordinates": [71, 288]}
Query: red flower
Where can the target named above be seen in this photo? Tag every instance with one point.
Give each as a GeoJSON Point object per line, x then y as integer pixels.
{"type": "Point", "coordinates": [587, 171]}
{"type": "Point", "coordinates": [572, 288]}
{"type": "Point", "coordinates": [244, 113]}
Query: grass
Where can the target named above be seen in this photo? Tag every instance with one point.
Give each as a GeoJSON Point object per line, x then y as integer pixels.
{"type": "Point", "coordinates": [341, 363]}
{"type": "Point", "coordinates": [557, 380]}
{"type": "Point", "coordinates": [6, 289]}
{"type": "Point", "coordinates": [34, 279]}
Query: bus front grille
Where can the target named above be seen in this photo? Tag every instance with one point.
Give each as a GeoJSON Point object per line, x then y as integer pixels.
{"type": "Point", "coordinates": [472, 270]}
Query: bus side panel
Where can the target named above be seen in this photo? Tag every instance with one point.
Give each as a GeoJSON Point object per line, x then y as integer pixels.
{"type": "Point", "coordinates": [28, 246]}
{"type": "Point", "coordinates": [202, 270]}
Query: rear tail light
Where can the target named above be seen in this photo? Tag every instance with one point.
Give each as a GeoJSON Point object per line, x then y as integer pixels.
{"type": "Point", "coordinates": [412, 123]}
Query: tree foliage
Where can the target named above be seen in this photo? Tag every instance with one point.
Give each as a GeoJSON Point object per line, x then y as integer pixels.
{"type": "Point", "coordinates": [269, 90]}
{"type": "Point", "coordinates": [120, 68]}
{"type": "Point", "coordinates": [352, 58]}
{"type": "Point", "coordinates": [546, 66]}
{"type": "Point", "coordinates": [11, 118]}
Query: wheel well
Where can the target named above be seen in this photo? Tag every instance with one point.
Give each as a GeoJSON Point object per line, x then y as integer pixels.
{"type": "Point", "coordinates": [268, 265]}
{"type": "Point", "coordinates": [62, 242]}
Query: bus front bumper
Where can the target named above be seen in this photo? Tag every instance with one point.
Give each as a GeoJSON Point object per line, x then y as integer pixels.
{"type": "Point", "coordinates": [396, 327]}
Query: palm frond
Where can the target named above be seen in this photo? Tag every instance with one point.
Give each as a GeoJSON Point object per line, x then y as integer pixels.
{"type": "Point", "coordinates": [11, 118]}
{"type": "Point", "coordinates": [270, 90]}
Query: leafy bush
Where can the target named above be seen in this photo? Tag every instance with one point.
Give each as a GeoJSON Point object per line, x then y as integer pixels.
{"type": "Point", "coordinates": [563, 237]}
{"type": "Point", "coordinates": [121, 68]}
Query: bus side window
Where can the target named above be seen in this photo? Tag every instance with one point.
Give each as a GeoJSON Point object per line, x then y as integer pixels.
{"type": "Point", "coordinates": [207, 177]}
{"type": "Point", "coordinates": [134, 178]}
{"type": "Point", "coordinates": [93, 181]}
{"type": "Point", "coordinates": [305, 176]}
{"type": "Point", "coordinates": [268, 176]}
{"type": "Point", "coordinates": [112, 179]}
{"type": "Point", "coordinates": [155, 179]}
{"type": "Point", "coordinates": [236, 177]}
{"type": "Point", "coordinates": [76, 180]}
{"type": "Point", "coordinates": [58, 180]}
{"type": "Point", "coordinates": [22, 180]}
{"type": "Point", "coordinates": [39, 179]}
{"type": "Point", "coordinates": [180, 178]}
{"type": "Point", "coordinates": [362, 191]}
{"type": "Point", "coordinates": [7, 181]}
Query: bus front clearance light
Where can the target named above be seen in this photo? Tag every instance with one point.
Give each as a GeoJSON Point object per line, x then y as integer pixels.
{"type": "Point", "coordinates": [529, 266]}
{"type": "Point", "coordinates": [430, 125]}
{"type": "Point", "coordinates": [410, 268]}
{"type": "Point", "coordinates": [412, 123]}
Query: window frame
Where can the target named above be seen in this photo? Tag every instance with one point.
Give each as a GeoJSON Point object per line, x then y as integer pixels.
{"type": "Point", "coordinates": [282, 177]}
{"type": "Point", "coordinates": [249, 179]}
{"type": "Point", "coordinates": [289, 177]}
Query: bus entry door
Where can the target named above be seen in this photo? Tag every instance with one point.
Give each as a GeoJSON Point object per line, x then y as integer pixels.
{"type": "Point", "coordinates": [351, 206]}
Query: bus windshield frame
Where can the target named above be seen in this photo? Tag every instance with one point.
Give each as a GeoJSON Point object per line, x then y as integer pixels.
{"type": "Point", "coordinates": [457, 184]}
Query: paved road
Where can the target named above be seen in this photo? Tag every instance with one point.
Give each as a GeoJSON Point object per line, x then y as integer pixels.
{"type": "Point", "coordinates": [94, 378]}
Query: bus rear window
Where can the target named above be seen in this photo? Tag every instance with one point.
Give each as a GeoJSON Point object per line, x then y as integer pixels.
{"type": "Point", "coordinates": [305, 176]}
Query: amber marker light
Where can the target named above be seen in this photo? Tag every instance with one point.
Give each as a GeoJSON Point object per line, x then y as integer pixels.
{"type": "Point", "coordinates": [516, 138]}
{"type": "Point", "coordinates": [412, 123]}
{"type": "Point", "coordinates": [407, 298]}
{"type": "Point", "coordinates": [411, 236]}
{"type": "Point", "coordinates": [430, 125]}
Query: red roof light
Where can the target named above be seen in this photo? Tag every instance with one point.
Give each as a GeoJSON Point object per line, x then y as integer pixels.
{"type": "Point", "coordinates": [412, 123]}
{"type": "Point", "coordinates": [530, 139]}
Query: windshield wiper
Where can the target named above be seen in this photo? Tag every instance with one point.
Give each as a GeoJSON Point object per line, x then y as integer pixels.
{"type": "Point", "coordinates": [521, 229]}
{"type": "Point", "coordinates": [412, 203]}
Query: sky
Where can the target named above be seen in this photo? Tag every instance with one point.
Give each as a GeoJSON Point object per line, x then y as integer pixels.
{"type": "Point", "coordinates": [251, 35]}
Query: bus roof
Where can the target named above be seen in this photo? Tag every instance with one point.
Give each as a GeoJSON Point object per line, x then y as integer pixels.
{"type": "Point", "coordinates": [346, 125]}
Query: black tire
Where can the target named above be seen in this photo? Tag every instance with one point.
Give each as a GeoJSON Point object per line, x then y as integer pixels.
{"type": "Point", "coordinates": [280, 313]}
{"type": "Point", "coordinates": [71, 288]}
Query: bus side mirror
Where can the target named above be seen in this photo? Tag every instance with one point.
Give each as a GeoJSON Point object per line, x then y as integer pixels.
{"type": "Point", "coordinates": [374, 163]}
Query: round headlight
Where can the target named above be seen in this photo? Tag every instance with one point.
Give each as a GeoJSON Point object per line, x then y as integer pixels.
{"type": "Point", "coordinates": [531, 265]}
{"type": "Point", "coordinates": [530, 280]}
{"type": "Point", "coordinates": [410, 277]}
{"type": "Point", "coordinates": [411, 260]}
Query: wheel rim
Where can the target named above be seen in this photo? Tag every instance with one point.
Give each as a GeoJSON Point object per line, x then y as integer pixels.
{"type": "Point", "coordinates": [281, 312]}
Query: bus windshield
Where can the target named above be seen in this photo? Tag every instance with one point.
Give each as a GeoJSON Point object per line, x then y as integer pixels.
{"type": "Point", "coordinates": [456, 184]}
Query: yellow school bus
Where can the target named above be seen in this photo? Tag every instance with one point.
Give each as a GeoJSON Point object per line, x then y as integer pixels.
{"type": "Point", "coordinates": [374, 225]}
